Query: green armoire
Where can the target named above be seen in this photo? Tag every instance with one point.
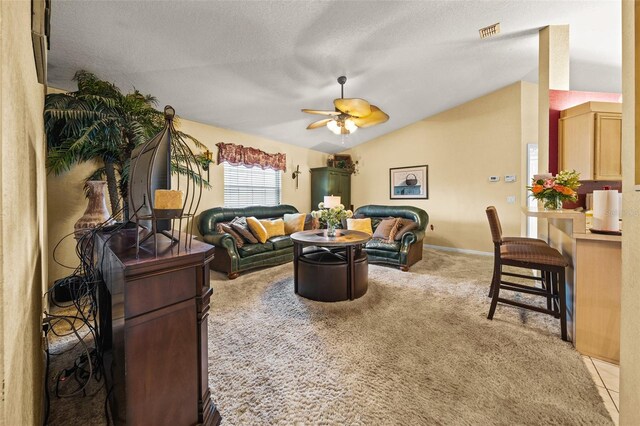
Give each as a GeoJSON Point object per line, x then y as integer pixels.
{"type": "Point", "coordinates": [330, 181]}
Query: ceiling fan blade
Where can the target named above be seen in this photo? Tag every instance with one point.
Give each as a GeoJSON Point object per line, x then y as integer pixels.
{"type": "Point", "coordinates": [319, 123]}
{"type": "Point", "coordinates": [320, 112]}
{"type": "Point", "coordinates": [377, 116]}
{"type": "Point", "coordinates": [355, 107]}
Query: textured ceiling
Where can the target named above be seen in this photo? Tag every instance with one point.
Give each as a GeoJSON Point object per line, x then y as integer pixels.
{"type": "Point", "coordinates": [251, 66]}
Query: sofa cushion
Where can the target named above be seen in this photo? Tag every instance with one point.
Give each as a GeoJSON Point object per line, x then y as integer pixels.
{"type": "Point", "coordinates": [225, 228]}
{"type": "Point", "coordinates": [386, 228]}
{"type": "Point", "coordinates": [293, 223]}
{"type": "Point", "coordinates": [257, 229]}
{"type": "Point", "coordinates": [239, 224]}
{"type": "Point", "coordinates": [280, 242]}
{"type": "Point", "coordinates": [363, 225]}
{"type": "Point", "coordinates": [406, 225]}
{"type": "Point", "coordinates": [379, 244]}
{"type": "Point", "coordinates": [251, 249]}
{"type": "Point", "coordinates": [274, 227]}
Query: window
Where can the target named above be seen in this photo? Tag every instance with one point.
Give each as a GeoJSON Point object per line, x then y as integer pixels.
{"type": "Point", "coordinates": [250, 186]}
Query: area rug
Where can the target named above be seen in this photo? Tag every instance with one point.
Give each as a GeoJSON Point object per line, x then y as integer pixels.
{"type": "Point", "coordinates": [417, 349]}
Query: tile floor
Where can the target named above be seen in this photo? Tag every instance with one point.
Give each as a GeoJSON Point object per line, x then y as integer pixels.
{"type": "Point", "coordinates": [606, 377]}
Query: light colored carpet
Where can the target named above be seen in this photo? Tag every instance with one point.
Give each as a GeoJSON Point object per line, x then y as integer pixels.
{"type": "Point", "coordinates": [417, 349]}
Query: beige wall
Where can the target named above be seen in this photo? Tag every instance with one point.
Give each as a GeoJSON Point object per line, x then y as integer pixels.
{"type": "Point", "coordinates": [630, 313]}
{"type": "Point", "coordinates": [67, 203]}
{"type": "Point", "coordinates": [22, 221]}
{"type": "Point", "coordinates": [462, 147]}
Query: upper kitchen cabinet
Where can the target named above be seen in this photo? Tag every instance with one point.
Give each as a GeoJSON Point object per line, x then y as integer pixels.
{"type": "Point", "coordinates": [590, 140]}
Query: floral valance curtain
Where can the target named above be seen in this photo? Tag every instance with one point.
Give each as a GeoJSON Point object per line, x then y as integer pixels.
{"type": "Point", "coordinates": [250, 157]}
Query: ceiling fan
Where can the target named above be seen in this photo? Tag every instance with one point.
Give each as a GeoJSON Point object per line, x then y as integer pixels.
{"type": "Point", "coordinates": [349, 114]}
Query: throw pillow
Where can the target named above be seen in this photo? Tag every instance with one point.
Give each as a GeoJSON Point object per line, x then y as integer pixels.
{"type": "Point", "coordinates": [274, 228]}
{"type": "Point", "coordinates": [407, 225]}
{"type": "Point", "coordinates": [363, 225]}
{"type": "Point", "coordinates": [239, 224]}
{"type": "Point", "coordinates": [257, 229]}
{"type": "Point", "coordinates": [311, 222]}
{"type": "Point", "coordinates": [386, 228]}
{"type": "Point", "coordinates": [293, 222]}
{"type": "Point", "coordinates": [223, 227]}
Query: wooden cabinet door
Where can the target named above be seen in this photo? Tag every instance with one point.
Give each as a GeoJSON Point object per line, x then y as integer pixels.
{"type": "Point", "coordinates": [334, 184]}
{"type": "Point", "coordinates": [161, 353]}
{"type": "Point", "coordinates": [576, 145]}
{"type": "Point", "coordinates": [345, 189]}
{"type": "Point", "coordinates": [608, 147]}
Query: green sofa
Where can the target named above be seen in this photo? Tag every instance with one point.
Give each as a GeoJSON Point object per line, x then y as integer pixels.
{"type": "Point", "coordinates": [403, 253]}
{"type": "Point", "coordinates": [231, 260]}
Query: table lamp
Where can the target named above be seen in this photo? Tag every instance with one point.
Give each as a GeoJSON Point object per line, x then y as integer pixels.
{"type": "Point", "coordinates": [331, 201]}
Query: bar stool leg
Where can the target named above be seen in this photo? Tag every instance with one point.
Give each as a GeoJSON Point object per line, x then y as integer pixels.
{"type": "Point", "coordinates": [562, 303]}
{"type": "Point", "coordinates": [546, 284]}
{"type": "Point", "coordinates": [495, 289]}
{"type": "Point", "coordinates": [496, 267]}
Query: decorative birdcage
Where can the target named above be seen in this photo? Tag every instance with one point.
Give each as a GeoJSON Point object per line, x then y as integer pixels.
{"type": "Point", "coordinates": [157, 202]}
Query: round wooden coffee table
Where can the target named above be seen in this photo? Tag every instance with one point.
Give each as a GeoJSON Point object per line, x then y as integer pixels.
{"type": "Point", "coordinates": [336, 270]}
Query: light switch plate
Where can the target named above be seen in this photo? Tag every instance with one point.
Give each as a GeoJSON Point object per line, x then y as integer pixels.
{"type": "Point", "coordinates": [510, 178]}
{"type": "Point", "coordinates": [494, 178]}
{"type": "Point", "coordinates": [511, 199]}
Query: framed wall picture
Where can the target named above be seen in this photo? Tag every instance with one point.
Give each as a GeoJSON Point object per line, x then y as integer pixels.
{"type": "Point", "coordinates": [409, 183]}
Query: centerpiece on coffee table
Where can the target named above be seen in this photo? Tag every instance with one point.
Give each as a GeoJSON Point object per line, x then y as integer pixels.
{"type": "Point", "coordinates": [331, 213]}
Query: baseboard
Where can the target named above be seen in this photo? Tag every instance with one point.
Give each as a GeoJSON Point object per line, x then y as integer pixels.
{"type": "Point", "coordinates": [459, 250]}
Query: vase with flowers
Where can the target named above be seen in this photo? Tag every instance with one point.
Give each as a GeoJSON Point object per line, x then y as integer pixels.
{"type": "Point", "coordinates": [331, 217]}
{"type": "Point", "coordinates": [554, 190]}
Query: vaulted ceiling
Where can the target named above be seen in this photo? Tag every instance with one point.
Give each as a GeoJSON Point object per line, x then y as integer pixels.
{"type": "Point", "coordinates": [251, 66]}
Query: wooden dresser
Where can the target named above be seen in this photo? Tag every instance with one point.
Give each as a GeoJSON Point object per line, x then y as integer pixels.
{"type": "Point", "coordinates": [153, 324]}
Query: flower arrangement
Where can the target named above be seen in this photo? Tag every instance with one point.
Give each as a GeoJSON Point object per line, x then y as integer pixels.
{"type": "Point", "coordinates": [332, 217]}
{"type": "Point", "coordinates": [554, 190]}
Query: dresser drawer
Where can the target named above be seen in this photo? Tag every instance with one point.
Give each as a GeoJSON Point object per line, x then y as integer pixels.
{"type": "Point", "coordinates": [151, 292]}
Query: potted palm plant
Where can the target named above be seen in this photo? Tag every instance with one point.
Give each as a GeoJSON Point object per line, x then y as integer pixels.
{"type": "Point", "coordinates": [99, 122]}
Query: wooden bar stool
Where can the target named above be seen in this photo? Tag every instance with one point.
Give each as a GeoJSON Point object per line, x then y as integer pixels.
{"type": "Point", "coordinates": [496, 228]}
{"type": "Point", "coordinates": [543, 258]}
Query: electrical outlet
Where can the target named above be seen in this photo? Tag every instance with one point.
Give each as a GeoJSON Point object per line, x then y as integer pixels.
{"type": "Point", "coordinates": [494, 178]}
{"type": "Point", "coordinates": [511, 199]}
{"type": "Point", "coordinates": [510, 178]}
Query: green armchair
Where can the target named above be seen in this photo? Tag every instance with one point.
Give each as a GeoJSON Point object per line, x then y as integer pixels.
{"type": "Point", "coordinates": [405, 252]}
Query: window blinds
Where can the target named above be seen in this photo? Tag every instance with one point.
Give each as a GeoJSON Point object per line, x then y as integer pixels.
{"type": "Point", "coordinates": [250, 186]}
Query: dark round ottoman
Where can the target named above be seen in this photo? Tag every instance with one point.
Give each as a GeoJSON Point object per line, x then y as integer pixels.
{"type": "Point", "coordinates": [323, 276]}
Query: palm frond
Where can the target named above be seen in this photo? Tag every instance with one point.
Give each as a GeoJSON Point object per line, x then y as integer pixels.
{"type": "Point", "coordinates": [185, 136]}
{"type": "Point", "coordinates": [189, 173]}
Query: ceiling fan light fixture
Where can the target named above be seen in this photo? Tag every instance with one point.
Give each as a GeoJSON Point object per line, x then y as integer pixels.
{"type": "Point", "coordinates": [334, 127]}
{"type": "Point", "coordinates": [350, 125]}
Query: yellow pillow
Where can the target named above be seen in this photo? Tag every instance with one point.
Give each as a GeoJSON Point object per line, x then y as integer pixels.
{"type": "Point", "coordinates": [274, 228]}
{"type": "Point", "coordinates": [363, 225]}
{"type": "Point", "coordinates": [257, 229]}
{"type": "Point", "coordinates": [294, 222]}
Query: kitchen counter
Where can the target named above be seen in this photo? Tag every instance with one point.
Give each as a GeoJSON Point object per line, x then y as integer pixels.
{"type": "Point", "coordinates": [599, 237]}
{"type": "Point", "coordinates": [593, 280]}
{"type": "Point", "coordinates": [579, 219]}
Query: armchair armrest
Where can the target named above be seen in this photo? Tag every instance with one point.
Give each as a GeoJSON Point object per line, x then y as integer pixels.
{"type": "Point", "coordinates": [410, 238]}
{"type": "Point", "coordinates": [225, 241]}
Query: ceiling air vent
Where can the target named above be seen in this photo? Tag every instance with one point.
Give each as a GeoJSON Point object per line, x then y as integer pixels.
{"type": "Point", "coordinates": [489, 31]}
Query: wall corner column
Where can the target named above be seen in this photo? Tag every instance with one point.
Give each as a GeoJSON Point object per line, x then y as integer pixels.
{"type": "Point", "coordinates": [553, 73]}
